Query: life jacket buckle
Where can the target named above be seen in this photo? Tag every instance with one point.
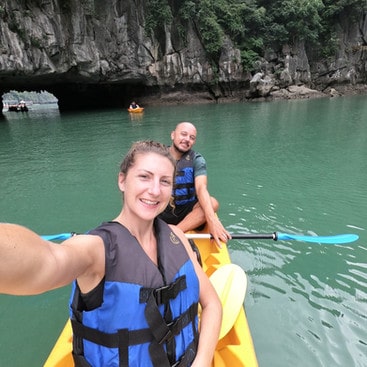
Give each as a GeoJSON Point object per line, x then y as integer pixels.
{"type": "Point", "coordinates": [159, 293]}
{"type": "Point", "coordinates": [169, 335]}
{"type": "Point", "coordinates": [176, 363]}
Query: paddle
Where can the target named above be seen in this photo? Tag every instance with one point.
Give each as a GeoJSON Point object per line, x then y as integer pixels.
{"type": "Point", "coordinates": [336, 239]}
{"type": "Point", "coordinates": [276, 236]}
{"type": "Point", "coordinates": [58, 237]}
{"type": "Point", "coordinates": [230, 283]}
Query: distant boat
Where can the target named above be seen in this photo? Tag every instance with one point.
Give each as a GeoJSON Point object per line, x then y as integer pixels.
{"type": "Point", "coordinates": [136, 110]}
{"type": "Point", "coordinates": [19, 107]}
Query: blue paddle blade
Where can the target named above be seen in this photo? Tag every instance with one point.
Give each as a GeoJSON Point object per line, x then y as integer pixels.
{"type": "Point", "coordinates": [340, 238]}
{"type": "Point", "coordinates": [57, 237]}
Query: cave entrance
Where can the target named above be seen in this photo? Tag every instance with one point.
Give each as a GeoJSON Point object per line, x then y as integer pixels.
{"type": "Point", "coordinates": [16, 101]}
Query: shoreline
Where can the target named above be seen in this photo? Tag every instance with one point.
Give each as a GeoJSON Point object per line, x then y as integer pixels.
{"type": "Point", "coordinates": [185, 97]}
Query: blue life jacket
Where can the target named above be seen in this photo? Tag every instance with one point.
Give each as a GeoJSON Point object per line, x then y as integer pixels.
{"type": "Point", "coordinates": [184, 186]}
{"type": "Point", "coordinates": [146, 315]}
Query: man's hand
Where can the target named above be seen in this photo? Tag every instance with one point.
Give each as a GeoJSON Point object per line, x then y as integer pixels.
{"type": "Point", "coordinates": [218, 232]}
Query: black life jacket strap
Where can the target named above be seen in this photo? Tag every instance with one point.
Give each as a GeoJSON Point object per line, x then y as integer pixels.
{"type": "Point", "coordinates": [131, 337]}
{"type": "Point", "coordinates": [184, 361]}
{"type": "Point", "coordinates": [165, 293]}
{"type": "Point", "coordinates": [160, 359]}
{"type": "Point", "coordinates": [153, 298]}
{"type": "Point", "coordinates": [190, 354]}
{"type": "Point", "coordinates": [124, 337]}
{"type": "Point", "coordinates": [111, 340]}
{"type": "Point", "coordinates": [189, 197]}
{"type": "Point", "coordinates": [159, 333]}
{"type": "Point", "coordinates": [80, 361]}
{"type": "Point", "coordinates": [196, 250]}
{"type": "Point", "coordinates": [185, 185]}
{"type": "Point", "coordinates": [188, 189]}
{"type": "Point", "coordinates": [164, 333]}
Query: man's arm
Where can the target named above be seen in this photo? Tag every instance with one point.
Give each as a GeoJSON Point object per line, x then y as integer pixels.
{"type": "Point", "coordinates": [215, 226]}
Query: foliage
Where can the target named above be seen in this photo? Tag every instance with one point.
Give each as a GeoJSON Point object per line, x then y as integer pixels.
{"type": "Point", "coordinates": [209, 26]}
{"type": "Point", "coordinates": [291, 20]}
{"type": "Point", "coordinates": [159, 14]}
{"type": "Point", "coordinates": [335, 12]}
{"type": "Point", "coordinates": [257, 25]}
{"type": "Point", "coordinates": [216, 18]}
{"type": "Point", "coordinates": [335, 9]}
{"type": "Point", "coordinates": [248, 59]}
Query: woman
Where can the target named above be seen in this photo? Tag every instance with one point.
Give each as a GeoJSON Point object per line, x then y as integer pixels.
{"type": "Point", "coordinates": [138, 282]}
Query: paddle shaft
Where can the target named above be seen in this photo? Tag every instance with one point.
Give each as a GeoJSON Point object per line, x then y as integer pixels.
{"type": "Point", "coordinates": [250, 236]}
{"type": "Point", "coordinates": [236, 236]}
{"type": "Point", "coordinates": [337, 239]}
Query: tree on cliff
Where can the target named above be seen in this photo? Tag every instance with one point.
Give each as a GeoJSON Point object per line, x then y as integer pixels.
{"type": "Point", "coordinates": [256, 25]}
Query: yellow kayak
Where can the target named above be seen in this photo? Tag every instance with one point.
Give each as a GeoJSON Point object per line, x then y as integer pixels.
{"type": "Point", "coordinates": [235, 347]}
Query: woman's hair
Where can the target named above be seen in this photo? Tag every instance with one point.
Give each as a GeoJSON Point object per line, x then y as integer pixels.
{"type": "Point", "coordinates": [144, 147]}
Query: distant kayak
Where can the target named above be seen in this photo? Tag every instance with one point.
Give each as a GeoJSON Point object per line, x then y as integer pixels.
{"type": "Point", "coordinates": [136, 110]}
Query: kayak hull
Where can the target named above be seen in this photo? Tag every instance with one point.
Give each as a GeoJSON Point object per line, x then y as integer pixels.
{"type": "Point", "coordinates": [136, 110]}
{"type": "Point", "coordinates": [234, 349]}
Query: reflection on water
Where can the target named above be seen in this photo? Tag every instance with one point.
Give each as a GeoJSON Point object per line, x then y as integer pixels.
{"type": "Point", "coordinates": [136, 118]}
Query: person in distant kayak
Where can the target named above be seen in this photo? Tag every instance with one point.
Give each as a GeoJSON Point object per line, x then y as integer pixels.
{"type": "Point", "coordinates": [193, 206]}
{"type": "Point", "coordinates": [138, 283]}
{"type": "Point", "coordinates": [134, 105]}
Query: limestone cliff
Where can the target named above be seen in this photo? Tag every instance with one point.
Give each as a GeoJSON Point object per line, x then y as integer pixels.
{"type": "Point", "coordinates": [97, 53]}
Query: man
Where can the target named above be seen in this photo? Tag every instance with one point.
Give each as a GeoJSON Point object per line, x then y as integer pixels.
{"type": "Point", "coordinates": [193, 205]}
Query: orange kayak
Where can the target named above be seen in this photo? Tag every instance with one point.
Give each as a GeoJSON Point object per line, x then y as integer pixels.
{"type": "Point", "coordinates": [136, 110]}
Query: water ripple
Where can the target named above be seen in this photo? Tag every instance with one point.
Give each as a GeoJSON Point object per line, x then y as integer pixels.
{"type": "Point", "coordinates": [328, 283]}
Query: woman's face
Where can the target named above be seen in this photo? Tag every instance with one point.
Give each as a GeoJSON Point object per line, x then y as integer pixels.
{"type": "Point", "coordinates": [147, 185]}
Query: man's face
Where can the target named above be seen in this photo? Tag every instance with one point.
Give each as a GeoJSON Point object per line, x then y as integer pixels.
{"type": "Point", "coordinates": [184, 137]}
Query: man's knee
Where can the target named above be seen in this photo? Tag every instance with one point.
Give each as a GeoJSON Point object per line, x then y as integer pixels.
{"type": "Point", "coordinates": [215, 203]}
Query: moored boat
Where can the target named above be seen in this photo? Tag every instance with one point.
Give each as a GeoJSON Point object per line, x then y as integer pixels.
{"type": "Point", "coordinates": [20, 107]}
{"type": "Point", "coordinates": [235, 347]}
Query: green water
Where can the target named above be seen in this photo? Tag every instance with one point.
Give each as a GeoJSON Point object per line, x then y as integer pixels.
{"type": "Point", "coordinates": [288, 166]}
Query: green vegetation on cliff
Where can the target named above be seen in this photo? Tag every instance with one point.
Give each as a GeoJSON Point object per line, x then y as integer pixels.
{"type": "Point", "coordinates": [257, 26]}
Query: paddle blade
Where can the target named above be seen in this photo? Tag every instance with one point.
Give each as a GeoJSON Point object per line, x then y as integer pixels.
{"type": "Point", "coordinates": [230, 283]}
{"type": "Point", "coordinates": [57, 237]}
{"type": "Point", "coordinates": [337, 239]}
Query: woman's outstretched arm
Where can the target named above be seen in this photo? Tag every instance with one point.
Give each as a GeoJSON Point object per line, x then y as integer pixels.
{"type": "Point", "coordinates": [31, 265]}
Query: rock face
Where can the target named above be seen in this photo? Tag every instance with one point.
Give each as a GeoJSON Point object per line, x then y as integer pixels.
{"type": "Point", "coordinates": [97, 53]}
